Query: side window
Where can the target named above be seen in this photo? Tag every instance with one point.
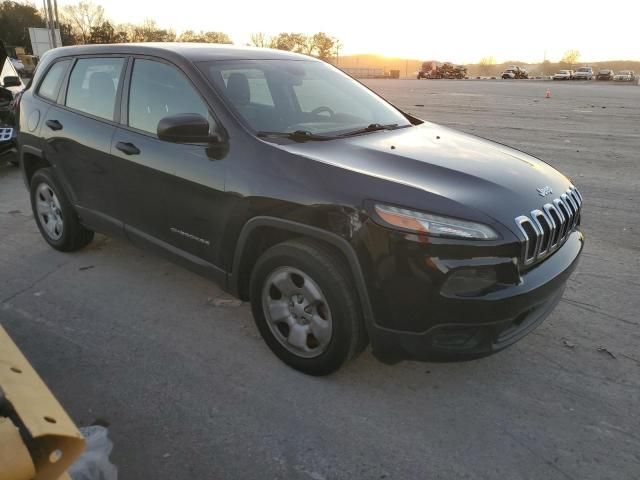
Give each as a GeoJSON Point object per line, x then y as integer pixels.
{"type": "Point", "coordinates": [159, 90]}
{"type": "Point", "coordinates": [93, 84]}
{"type": "Point", "coordinates": [51, 83]}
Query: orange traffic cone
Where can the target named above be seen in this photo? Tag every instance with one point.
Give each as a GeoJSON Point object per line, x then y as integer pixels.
{"type": "Point", "coordinates": [548, 94]}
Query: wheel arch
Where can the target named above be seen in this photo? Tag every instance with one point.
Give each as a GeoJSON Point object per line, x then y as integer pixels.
{"type": "Point", "coordinates": [262, 232]}
{"type": "Point", "coordinates": [32, 159]}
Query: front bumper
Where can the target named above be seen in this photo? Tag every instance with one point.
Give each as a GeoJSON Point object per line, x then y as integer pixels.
{"type": "Point", "coordinates": [427, 324]}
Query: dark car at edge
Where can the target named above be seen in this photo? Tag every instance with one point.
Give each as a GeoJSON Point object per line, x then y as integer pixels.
{"type": "Point", "coordinates": [343, 220]}
{"type": "Point", "coordinates": [11, 87]}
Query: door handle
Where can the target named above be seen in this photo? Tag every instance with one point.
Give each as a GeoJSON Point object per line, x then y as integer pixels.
{"type": "Point", "coordinates": [54, 124]}
{"type": "Point", "coordinates": [127, 148]}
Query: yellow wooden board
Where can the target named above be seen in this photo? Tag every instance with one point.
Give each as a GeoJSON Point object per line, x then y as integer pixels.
{"type": "Point", "coordinates": [56, 442]}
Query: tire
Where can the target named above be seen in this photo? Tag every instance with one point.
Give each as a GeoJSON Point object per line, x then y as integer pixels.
{"type": "Point", "coordinates": [302, 272]}
{"type": "Point", "coordinates": [56, 218]}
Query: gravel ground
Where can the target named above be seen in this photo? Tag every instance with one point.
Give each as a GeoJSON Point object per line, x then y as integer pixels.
{"type": "Point", "coordinates": [191, 391]}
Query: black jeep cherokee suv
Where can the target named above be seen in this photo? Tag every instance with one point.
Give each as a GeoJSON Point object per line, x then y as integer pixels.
{"type": "Point", "coordinates": [342, 219]}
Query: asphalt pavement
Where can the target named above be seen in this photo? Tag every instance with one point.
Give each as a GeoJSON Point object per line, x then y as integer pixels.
{"type": "Point", "coordinates": [190, 390]}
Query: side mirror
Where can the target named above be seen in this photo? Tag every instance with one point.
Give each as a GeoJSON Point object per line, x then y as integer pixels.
{"type": "Point", "coordinates": [12, 81]}
{"type": "Point", "coordinates": [185, 128]}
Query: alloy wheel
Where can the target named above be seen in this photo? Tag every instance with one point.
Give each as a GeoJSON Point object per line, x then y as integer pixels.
{"type": "Point", "coordinates": [297, 312]}
{"type": "Point", "coordinates": [49, 211]}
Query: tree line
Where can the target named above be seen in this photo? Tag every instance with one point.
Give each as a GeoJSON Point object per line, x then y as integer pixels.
{"type": "Point", "coordinates": [86, 22]}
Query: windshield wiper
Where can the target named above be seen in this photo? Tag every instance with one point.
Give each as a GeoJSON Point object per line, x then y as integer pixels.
{"type": "Point", "coordinates": [298, 135]}
{"type": "Point", "coordinates": [374, 127]}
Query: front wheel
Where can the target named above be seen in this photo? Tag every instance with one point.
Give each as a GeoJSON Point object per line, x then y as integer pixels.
{"type": "Point", "coordinates": [57, 220]}
{"type": "Point", "coordinates": [305, 306]}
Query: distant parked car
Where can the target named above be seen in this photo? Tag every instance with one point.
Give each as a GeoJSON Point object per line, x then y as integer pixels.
{"type": "Point", "coordinates": [605, 74]}
{"type": "Point", "coordinates": [513, 71]}
{"type": "Point", "coordinates": [433, 69]}
{"type": "Point", "coordinates": [584, 73]}
{"type": "Point", "coordinates": [563, 75]}
{"type": "Point", "coordinates": [624, 76]}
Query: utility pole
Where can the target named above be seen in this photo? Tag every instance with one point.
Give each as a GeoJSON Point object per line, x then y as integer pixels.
{"type": "Point", "coordinates": [52, 25]}
{"type": "Point", "coordinates": [55, 12]}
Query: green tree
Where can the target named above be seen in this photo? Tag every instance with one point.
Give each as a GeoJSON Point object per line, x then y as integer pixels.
{"type": "Point", "coordinates": [571, 57]}
{"type": "Point", "coordinates": [66, 35]}
{"type": "Point", "coordinates": [15, 19]}
{"type": "Point", "coordinates": [323, 45]}
{"type": "Point", "coordinates": [108, 33]}
{"type": "Point", "coordinates": [149, 31]}
{"type": "Point", "coordinates": [82, 17]}
{"type": "Point", "coordinates": [288, 41]}
{"type": "Point", "coordinates": [260, 39]}
{"type": "Point", "coordinates": [487, 64]}
{"type": "Point", "coordinates": [204, 37]}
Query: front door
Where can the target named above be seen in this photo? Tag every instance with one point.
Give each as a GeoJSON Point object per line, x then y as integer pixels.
{"type": "Point", "coordinates": [169, 193]}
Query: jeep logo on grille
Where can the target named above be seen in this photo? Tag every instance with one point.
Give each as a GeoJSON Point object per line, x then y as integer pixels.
{"type": "Point", "coordinates": [544, 191]}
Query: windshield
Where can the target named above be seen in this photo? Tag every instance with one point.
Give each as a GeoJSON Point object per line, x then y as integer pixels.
{"type": "Point", "coordinates": [584, 69]}
{"type": "Point", "coordinates": [296, 95]}
{"type": "Point", "coordinates": [564, 71]}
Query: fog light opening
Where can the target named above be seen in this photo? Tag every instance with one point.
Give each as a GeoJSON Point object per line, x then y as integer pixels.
{"type": "Point", "coordinates": [470, 282]}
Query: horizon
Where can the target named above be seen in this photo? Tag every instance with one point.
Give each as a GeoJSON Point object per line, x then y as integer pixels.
{"type": "Point", "coordinates": [494, 28]}
{"type": "Point", "coordinates": [504, 62]}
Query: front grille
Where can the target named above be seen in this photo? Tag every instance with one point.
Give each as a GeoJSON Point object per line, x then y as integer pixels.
{"type": "Point", "coordinates": [5, 134]}
{"type": "Point", "coordinates": [546, 229]}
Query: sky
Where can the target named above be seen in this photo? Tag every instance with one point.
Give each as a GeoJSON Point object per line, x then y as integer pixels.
{"type": "Point", "coordinates": [446, 30]}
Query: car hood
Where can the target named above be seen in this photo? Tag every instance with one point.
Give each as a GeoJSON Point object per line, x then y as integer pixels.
{"type": "Point", "coordinates": [476, 173]}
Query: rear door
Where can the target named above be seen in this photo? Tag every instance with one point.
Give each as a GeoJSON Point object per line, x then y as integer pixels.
{"type": "Point", "coordinates": [77, 133]}
{"type": "Point", "coordinates": [170, 194]}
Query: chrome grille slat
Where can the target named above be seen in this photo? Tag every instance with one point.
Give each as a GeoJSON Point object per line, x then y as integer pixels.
{"type": "Point", "coordinates": [571, 209]}
{"type": "Point", "coordinates": [567, 218]}
{"type": "Point", "coordinates": [576, 197]}
{"type": "Point", "coordinates": [563, 218]}
{"type": "Point", "coordinates": [546, 229]}
{"type": "Point", "coordinates": [549, 209]}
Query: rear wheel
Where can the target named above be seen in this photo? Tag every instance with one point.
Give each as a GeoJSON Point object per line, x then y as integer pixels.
{"type": "Point", "coordinates": [305, 306]}
{"type": "Point", "coordinates": [57, 221]}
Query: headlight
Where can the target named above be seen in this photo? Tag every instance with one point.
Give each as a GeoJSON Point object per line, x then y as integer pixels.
{"type": "Point", "coordinates": [434, 224]}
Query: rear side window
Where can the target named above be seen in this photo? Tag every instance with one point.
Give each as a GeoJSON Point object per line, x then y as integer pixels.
{"type": "Point", "coordinates": [50, 85]}
{"type": "Point", "coordinates": [159, 90]}
{"type": "Point", "coordinates": [93, 85]}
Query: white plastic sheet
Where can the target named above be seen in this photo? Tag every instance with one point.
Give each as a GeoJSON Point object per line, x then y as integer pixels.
{"type": "Point", "coordinates": [94, 463]}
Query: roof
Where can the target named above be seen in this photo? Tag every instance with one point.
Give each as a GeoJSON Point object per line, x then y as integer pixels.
{"type": "Point", "coordinates": [195, 52]}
